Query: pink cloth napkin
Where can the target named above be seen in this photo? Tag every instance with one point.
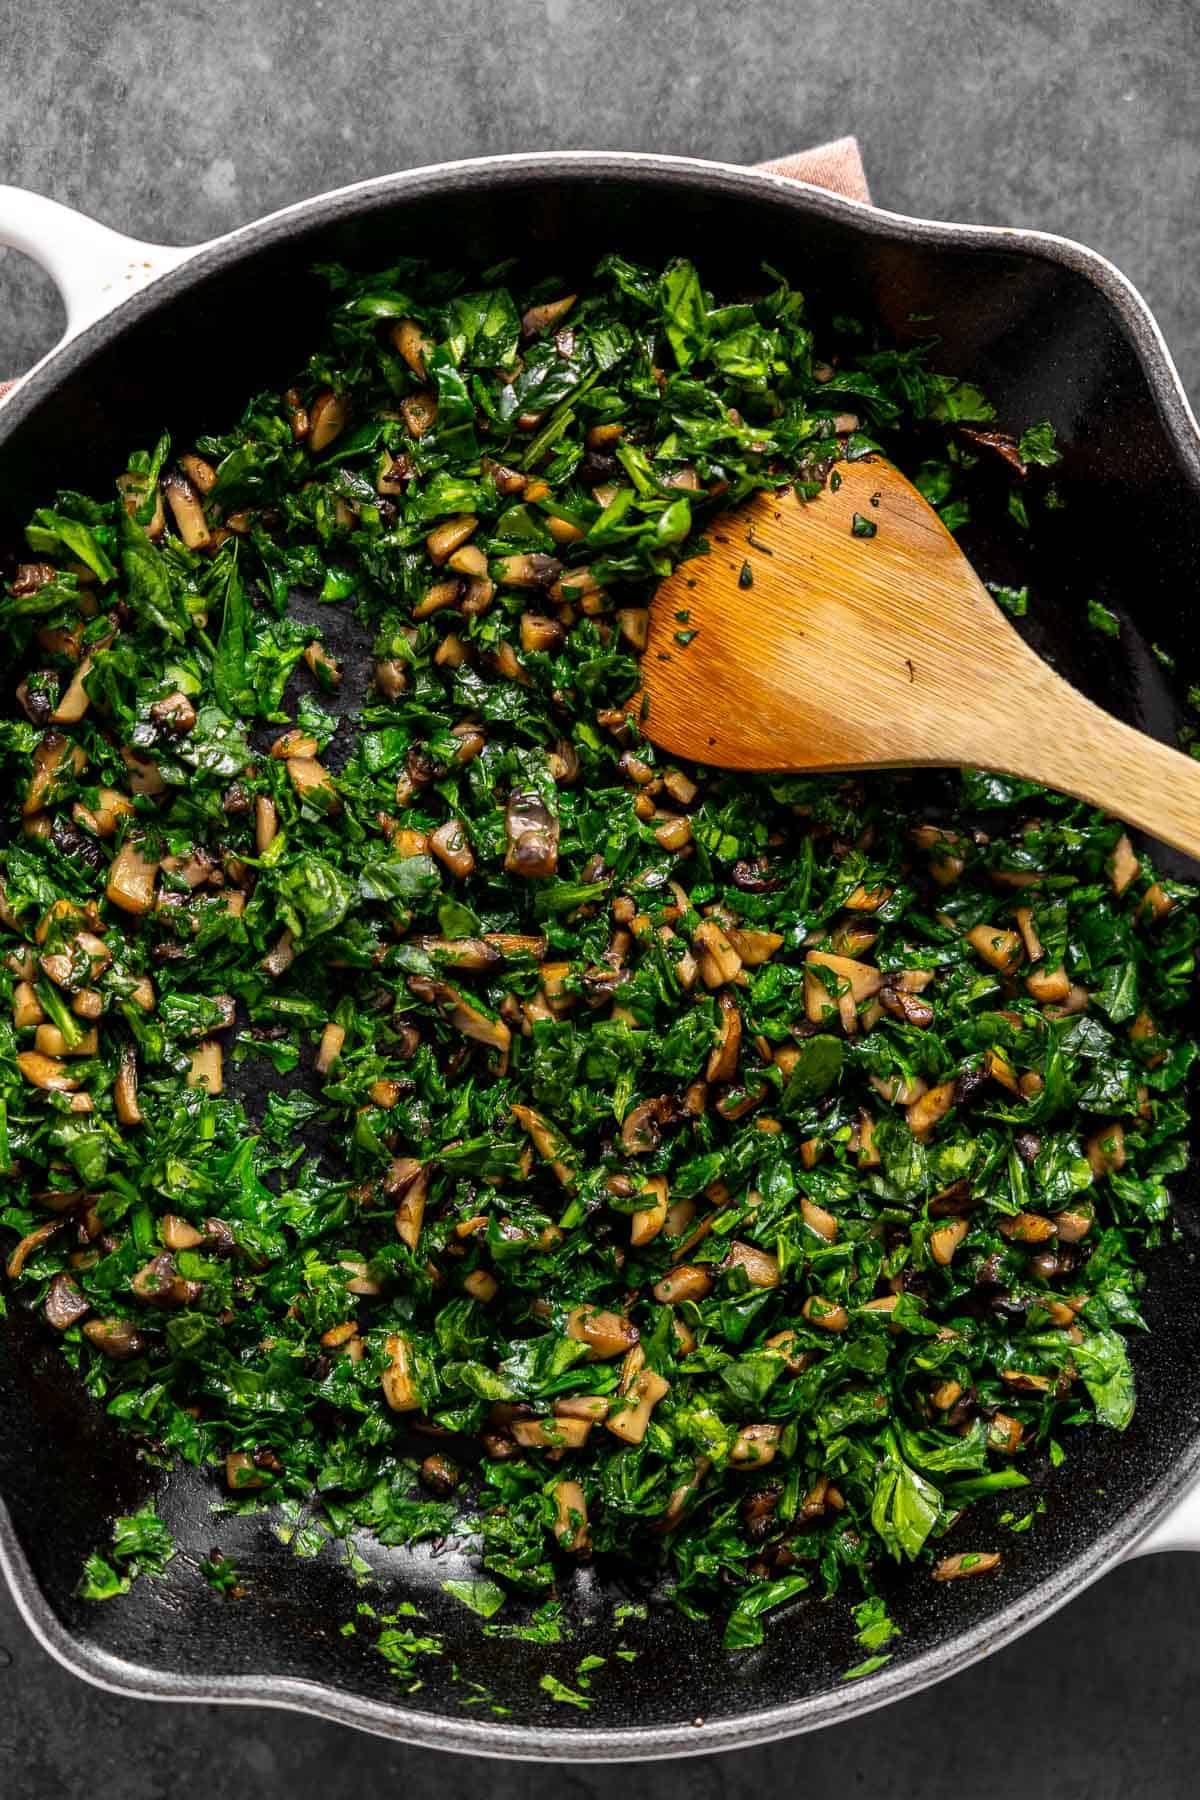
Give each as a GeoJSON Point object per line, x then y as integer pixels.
{"type": "Point", "coordinates": [837, 166]}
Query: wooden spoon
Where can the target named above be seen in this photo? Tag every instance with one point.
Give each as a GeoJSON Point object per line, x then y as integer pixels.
{"type": "Point", "coordinates": [850, 632]}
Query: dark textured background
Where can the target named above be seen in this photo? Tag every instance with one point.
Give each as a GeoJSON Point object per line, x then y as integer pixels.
{"type": "Point", "coordinates": [1076, 116]}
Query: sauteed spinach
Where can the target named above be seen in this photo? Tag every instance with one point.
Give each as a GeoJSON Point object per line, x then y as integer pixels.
{"type": "Point", "coordinates": [427, 1103]}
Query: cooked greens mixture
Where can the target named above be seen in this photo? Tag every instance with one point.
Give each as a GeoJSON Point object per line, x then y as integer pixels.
{"type": "Point", "coordinates": [440, 1113]}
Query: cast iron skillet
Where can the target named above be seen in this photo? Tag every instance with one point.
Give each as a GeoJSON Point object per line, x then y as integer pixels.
{"type": "Point", "coordinates": [1050, 330]}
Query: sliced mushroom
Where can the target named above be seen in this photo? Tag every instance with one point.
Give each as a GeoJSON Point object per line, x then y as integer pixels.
{"type": "Point", "coordinates": [46, 1072]}
{"type": "Point", "coordinates": [835, 987]}
{"type": "Point", "coordinates": [719, 961]}
{"type": "Point", "coordinates": [178, 1233]}
{"type": "Point", "coordinates": [641, 1390]}
{"type": "Point", "coordinates": [460, 1013]}
{"type": "Point", "coordinates": [686, 1282]}
{"type": "Point", "coordinates": [640, 1134]}
{"type": "Point", "coordinates": [399, 1385]}
{"type": "Point", "coordinates": [452, 848]}
{"type": "Point", "coordinates": [321, 665]}
{"type": "Point", "coordinates": [175, 712]}
{"type": "Point", "coordinates": [528, 569]}
{"type": "Point", "coordinates": [1002, 949]}
{"type": "Point", "coordinates": [131, 879]}
{"type": "Point", "coordinates": [31, 1242]}
{"type": "Point", "coordinates": [549, 1143]}
{"type": "Point", "coordinates": [532, 835]}
{"type": "Point", "coordinates": [115, 1338]}
{"type": "Point", "coordinates": [759, 1267]}
{"type": "Point", "coordinates": [414, 346]}
{"type": "Point", "coordinates": [542, 317]}
{"type": "Point", "coordinates": [571, 1518]}
{"type": "Point", "coordinates": [450, 536]}
{"type": "Point", "coordinates": [418, 412]}
{"type": "Point", "coordinates": [407, 1182]}
{"type": "Point", "coordinates": [313, 783]}
{"type": "Point", "coordinates": [187, 510]}
{"type": "Point", "coordinates": [206, 1068]}
{"type": "Point", "coordinates": [755, 1446]}
{"type": "Point", "coordinates": [644, 1226]}
{"type": "Point", "coordinates": [723, 1060]}
{"type": "Point", "coordinates": [55, 761]}
{"type": "Point", "coordinates": [327, 417]}
{"type": "Point", "coordinates": [606, 1334]}
{"type": "Point", "coordinates": [966, 1562]}
{"type": "Point", "coordinates": [158, 1283]}
{"type": "Point", "coordinates": [332, 1039]}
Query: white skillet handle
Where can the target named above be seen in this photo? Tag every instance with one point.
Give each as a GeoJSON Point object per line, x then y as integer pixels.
{"type": "Point", "coordinates": [93, 268]}
{"type": "Point", "coordinates": [1178, 1529]}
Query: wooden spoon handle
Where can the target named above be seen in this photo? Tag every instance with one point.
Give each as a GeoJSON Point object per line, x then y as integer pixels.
{"type": "Point", "coordinates": [1068, 742]}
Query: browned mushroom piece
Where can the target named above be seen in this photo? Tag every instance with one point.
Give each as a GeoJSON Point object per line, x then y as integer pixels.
{"type": "Point", "coordinates": [606, 1334]}
{"type": "Point", "coordinates": [640, 1132]}
{"type": "Point", "coordinates": [836, 986]}
{"type": "Point", "coordinates": [723, 1060]}
{"type": "Point", "coordinates": [158, 1283]}
{"type": "Point", "coordinates": [452, 848]}
{"type": "Point", "coordinates": [527, 569]}
{"type": "Point", "coordinates": [966, 1562]}
{"type": "Point", "coordinates": [399, 1377]}
{"type": "Point", "coordinates": [280, 956]}
{"type": "Point", "coordinates": [418, 412]}
{"type": "Point", "coordinates": [65, 1304]}
{"type": "Point", "coordinates": [548, 313]}
{"type": "Point", "coordinates": [686, 1282]}
{"type": "Point", "coordinates": [461, 1013]}
{"type": "Point", "coordinates": [755, 1446]}
{"type": "Point", "coordinates": [321, 665]}
{"type": "Point", "coordinates": [178, 1234]}
{"type": "Point", "coordinates": [327, 418]}
{"type": "Point", "coordinates": [131, 878]}
{"type": "Point", "coordinates": [407, 1182]}
{"type": "Point", "coordinates": [30, 1243]}
{"type": "Point", "coordinates": [56, 761]}
{"type": "Point", "coordinates": [206, 1069]}
{"type": "Point", "coordinates": [175, 712]}
{"type": "Point", "coordinates": [645, 1225]}
{"type": "Point", "coordinates": [640, 1391]}
{"type": "Point", "coordinates": [313, 783]}
{"type": "Point", "coordinates": [332, 1039]}
{"type": "Point", "coordinates": [571, 1518]}
{"type": "Point", "coordinates": [440, 1475]}
{"type": "Point", "coordinates": [391, 677]}
{"type": "Point", "coordinates": [474, 954]}
{"type": "Point", "coordinates": [143, 773]}
{"type": "Point", "coordinates": [241, 1472]}
{"type": "Point", "coordinates": [1002, 949]}
{"type": "Point", "coordinates": [532, 835]}
{"type": "Point", "coordinates": [46, 1072]}
{"type": "Point", "coordinates": [549, 1143]}
{"type": "Point", "coordinates": [133, 488]}
{"type": "Point", "coordinates": [760, 1268]}
{"type": "Point", "coordinates": [117, 1339]}
{"type": "Point", "coordinates": [187, 510]}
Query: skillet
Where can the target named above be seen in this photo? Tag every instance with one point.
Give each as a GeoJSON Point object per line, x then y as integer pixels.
{"type": "Point", "coordinates": [1050, 330]}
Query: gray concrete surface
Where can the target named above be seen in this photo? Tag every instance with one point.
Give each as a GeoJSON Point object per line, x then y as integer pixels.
{"type": "Point", "coordinates": [1077, 116]}
{"type": "Point", "coordinates": [1074, 115]}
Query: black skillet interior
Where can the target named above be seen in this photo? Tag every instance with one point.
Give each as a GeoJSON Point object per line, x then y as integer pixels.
{"type": "Point", "coordinates": [1045, 339]}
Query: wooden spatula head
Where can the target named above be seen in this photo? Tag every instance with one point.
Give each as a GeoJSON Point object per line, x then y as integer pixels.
{"type": "Point", "coordinates": [850, 632]}
{"type": "Point", "coordinates": [847, 631]}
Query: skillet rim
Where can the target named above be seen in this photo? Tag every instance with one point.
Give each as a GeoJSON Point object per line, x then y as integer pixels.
{"type": "Point", "coordinates": [634, 1743]}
